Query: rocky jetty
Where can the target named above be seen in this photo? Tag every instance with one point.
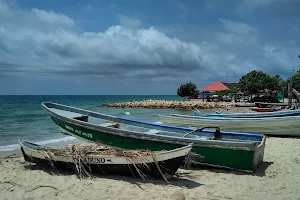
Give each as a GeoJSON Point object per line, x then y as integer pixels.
{"type": "Point", "coordinates": [169, 104]}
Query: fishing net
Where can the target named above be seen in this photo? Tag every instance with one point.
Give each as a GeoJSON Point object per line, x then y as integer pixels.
{"type": "Point", "coordinates": [79, 153]}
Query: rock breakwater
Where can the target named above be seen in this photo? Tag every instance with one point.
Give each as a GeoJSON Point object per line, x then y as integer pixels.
{"type": "Point", "coordinates": [168, 104]}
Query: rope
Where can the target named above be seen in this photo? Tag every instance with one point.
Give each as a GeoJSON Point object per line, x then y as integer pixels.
{"type": "Point", "coordinates": [216, 134]}
{"type": "Point", "coordinates": [116, 124]}
{"type": "Point", "coordinates": [197, 129]}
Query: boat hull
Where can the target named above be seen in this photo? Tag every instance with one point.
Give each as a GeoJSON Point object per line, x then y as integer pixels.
{"type": "Point", "coordinates": [264, 109]}
{"type": "Point", "coordinates": [241, 158]}
{"type": "Point", "coordinates": [264, 105]}
{"type": "Point", "coordinates": [280, 126]}
{"type": "Point", "coordinates": [278, 113]}
{"type": "Point", "coordinates": [169, 162]}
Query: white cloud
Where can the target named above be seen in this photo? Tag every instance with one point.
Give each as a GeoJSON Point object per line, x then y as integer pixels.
{"type": "Point", "coordinates": [237, 27]}
{"type": "Point", "coordinates": [281, 59]}
{"type": "Point", "coordinates": [292, 42]}
{"type": "Point", "coordinates": [183, 9]}
{"type": "Point", "coordinates": [274, 7]}
{"type": "Point", "coordinates": [52, 18]}
{"type": "Point", "coordinates": [237, 33]}
{"type": "Point", "coordinates": [268, 48]}
{"type": "Point", "coordinates": [254, 4]}
{"type": "Point", "coordinates": [129, 22]}
{"type": "Point", "coordinates": [88, 8]}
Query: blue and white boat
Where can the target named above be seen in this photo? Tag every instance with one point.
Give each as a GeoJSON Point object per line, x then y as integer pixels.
{"type": "Point", "coordinates": [280, 126]}
{"type": "Point", "coordinates": [279, 113]}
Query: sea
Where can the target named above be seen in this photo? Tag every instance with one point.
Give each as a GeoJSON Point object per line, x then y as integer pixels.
{"type": "Point", "coordinates": [22, 117]}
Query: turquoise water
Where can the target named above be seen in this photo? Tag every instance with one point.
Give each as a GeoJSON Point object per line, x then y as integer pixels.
{"type": "Point", "coordinates": [23, 116]}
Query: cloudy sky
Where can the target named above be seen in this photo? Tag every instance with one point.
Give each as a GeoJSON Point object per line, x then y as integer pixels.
{"type": "Point", "coordinates": [142, 46]}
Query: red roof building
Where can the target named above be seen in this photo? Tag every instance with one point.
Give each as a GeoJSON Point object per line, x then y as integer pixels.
{"type": "Point", "coordinates": [216, 86]}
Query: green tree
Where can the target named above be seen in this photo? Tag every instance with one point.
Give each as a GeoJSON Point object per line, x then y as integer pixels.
{"type": "Point", "coordinates": [274, 83]}
{"type": "Point", "coordinates": [255, 81]}
{"type": "Point", "coordinates": [295, 80]}
{"type": "Point", "coordinates": [224, 92]}
{"type": "Point", "coordinates": [280, 83]}
{"type": "Point", "coordinates": [188, 90]}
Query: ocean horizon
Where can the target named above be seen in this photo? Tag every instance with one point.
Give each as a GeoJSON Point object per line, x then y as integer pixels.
{"type": "Point", "coordinates": [22, 116]}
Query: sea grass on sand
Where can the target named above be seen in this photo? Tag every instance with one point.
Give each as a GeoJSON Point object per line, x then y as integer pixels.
{"type": "Point", "coordinates": [79, 151]}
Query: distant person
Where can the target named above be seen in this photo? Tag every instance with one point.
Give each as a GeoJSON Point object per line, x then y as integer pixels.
{"type": "Point", "coordinates": [208, 98]}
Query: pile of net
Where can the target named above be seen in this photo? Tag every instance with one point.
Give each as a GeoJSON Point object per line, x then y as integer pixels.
{"type": "Point", "coordinates": [78, 152]}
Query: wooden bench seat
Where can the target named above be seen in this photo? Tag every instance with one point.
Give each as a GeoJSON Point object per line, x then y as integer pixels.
{"type": "Point", "coordinates": [111, 125]}
{"type": "Point", "coordinates": [153, 131]}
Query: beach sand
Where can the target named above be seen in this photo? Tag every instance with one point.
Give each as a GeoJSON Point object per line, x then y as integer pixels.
{"type": "Point", "coordinates": [277, 178]}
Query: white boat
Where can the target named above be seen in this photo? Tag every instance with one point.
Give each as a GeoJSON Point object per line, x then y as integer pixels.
{"type": "Point", "coordinates": [96, 158]}
{"type": "Point", "coordinates": [279, 126]}
{"type": "Point", "coordinates": [279, 113]}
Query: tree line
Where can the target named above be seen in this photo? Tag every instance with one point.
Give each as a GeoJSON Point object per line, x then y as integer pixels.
{"type": "Point", "coordinates": [251, 83]}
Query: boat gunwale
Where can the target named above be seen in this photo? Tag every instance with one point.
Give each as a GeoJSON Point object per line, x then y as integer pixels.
{"type": "Point", "coordinates": [244, 119]}
{"type": "Point", "coordinates": [134, 134]}
{"type": "Point", "coordinates": [122, 161]}
{"type": "Point", "coordinates": [153, 124]}
{"type": "Point", "coordinates": [263, 142]}
{"type": "Point", "coordinates": [258, 135]}
{"type": "Point", "coordinates": [287, 112]}
{"type": "Point", "coordinates": [162, 152]}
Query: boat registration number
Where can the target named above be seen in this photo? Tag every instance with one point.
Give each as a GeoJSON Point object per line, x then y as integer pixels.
{"type": "Point", "coordinates": [96, 160]}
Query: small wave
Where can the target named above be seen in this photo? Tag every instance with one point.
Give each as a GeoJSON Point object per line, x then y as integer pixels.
{"type": "Point", "coordinates": [9, 147]}
{"type": "Point", "coordinates": [158, 122]}
{"type": "Point", "coordinates": [12, 147]}
{"type": "Point", "coordinates": [127, 113]}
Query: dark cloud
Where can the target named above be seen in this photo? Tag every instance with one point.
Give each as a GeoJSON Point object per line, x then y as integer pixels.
{"type": "Point", "coordinates": [50, 44]}
{"type": "Point", "coordinates": [271, 7]}
{"type": "Point", "coordinates": [286, 8]}
{"type": "Point", "coordinates": [3, 46]}
{"type": "Point", "coordinates": [8, 69]}
{"type": "Point", "coordinates": [118, 51]}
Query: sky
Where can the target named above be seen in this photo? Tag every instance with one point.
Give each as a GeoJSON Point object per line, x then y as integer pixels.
{"type": "Point", "coordinates": [113, 47]}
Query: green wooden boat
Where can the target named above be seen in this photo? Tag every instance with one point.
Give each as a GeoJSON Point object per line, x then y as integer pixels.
{"type": "Point", "coordinates": [239, 151]}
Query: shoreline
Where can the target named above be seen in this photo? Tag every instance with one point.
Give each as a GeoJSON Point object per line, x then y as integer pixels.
{"type": "Point", "coordinates": [4, 154]}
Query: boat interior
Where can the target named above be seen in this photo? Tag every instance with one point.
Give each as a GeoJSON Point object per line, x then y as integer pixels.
{"type": "Point", "coordinates": [111, 123]}
{"type": "Point", "coordinates": [31, 145]}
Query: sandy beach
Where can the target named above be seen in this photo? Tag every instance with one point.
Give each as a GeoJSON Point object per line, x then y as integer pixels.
{"type": "Point", "coordinates": [148, 76]}
{"type": "Point", "coordinates": [277, 178]}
